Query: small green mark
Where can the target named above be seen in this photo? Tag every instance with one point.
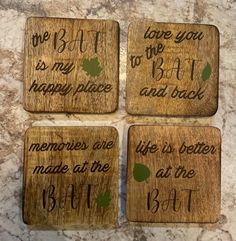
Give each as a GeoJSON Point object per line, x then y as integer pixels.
{"type": "Point", "coordinates": [206, 72]}
{"type": "Point", "coordinates": [141, 172]}
{"type": "Point", "coordinates": [103, 200]}
{"type": "Point", "coordinates": [91, 67]}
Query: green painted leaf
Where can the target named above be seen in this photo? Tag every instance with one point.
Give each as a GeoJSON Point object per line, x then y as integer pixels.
{"type": "Point", "coordinates": [141, 172]}
{"type": "Point", "coordinates": [206, 72]}
{"type": "Point", "coordinates": [91, 67]}
{"type": "Point", "coordinates": [103, 200]}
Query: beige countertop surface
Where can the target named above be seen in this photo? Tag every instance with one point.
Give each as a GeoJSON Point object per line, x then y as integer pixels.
{"type": "Point", "coordinates": [14, 120]}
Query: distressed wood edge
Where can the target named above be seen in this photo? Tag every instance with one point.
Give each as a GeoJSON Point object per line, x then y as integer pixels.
{"type": "Point", "coordinates": [151, 21]}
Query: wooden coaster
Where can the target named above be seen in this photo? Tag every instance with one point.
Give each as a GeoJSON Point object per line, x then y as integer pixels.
{"type": "Point", "coordinates": [71, 65]}
{"type": "Point", "coordinates": [71, 176]}
{"type": "Point", "coordinates": [173, 174]}
{"type": "Point", "coordinates": [172, 69]}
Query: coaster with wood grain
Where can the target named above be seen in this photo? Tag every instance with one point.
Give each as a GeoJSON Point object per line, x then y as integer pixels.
{"type": "Point", "coordinates": [71, 65]}
{"type": "Point", "coordinates": [71, 176]}
{"type": "Point", "coordinates": [173, 174]}
{"type": "Point", "coordinates": [172, 69]}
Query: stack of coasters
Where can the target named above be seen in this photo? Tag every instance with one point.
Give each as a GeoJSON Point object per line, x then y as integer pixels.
{"type": "Point", "coordinates": [71, 65]}
{"type": "Point", "coordinates": [71, 176]}
{"type": "Point", "coordinates": [173, 174]}
{"type": "Point", "coordinates": [172, 69]}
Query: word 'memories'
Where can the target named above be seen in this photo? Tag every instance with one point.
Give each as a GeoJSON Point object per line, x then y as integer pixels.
{"type": "Point", "coordinates": [71, 176]}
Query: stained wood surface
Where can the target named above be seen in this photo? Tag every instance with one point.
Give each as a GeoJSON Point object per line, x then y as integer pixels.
{"type": "Point", "coordinates": [176, 183]}
{"type": "Point", "coordinates": [79, 195]}
{"type": "Point", "coordinates": [172, 69]}
{"type": "Point", "coordinates": [71, 65]}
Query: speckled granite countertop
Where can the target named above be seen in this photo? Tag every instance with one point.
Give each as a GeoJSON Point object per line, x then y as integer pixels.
{"type": "Point", "coordinates": [14, 120]}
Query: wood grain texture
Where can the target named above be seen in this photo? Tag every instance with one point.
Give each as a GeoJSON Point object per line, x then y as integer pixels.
{"type": "Point", "coordinates": [182, 185]}
{"type": "Point", "coordinates": [176, 71]}
{"type": "Point", "coordinates": [71, 65]}
{"type": "Point", "coordinates": [85, 198]}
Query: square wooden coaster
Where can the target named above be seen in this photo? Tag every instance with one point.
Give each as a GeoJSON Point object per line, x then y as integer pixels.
{"type": "Point", "coordinates": [71, 176]}
{"type": "Point", "coordinates": [172, 69]}
{"type": "Point", "coordinates": [173, 174]}
{"type": "Point", "coordinates": [71, 65]}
